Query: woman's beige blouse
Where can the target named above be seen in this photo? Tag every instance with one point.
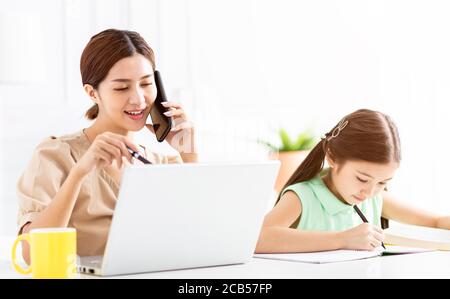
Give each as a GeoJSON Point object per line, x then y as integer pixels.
{"type": "Point", "coordinates": [46, 172]}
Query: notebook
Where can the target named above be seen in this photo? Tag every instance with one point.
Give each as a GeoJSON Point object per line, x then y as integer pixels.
{"type": "Point", "coordinates": [418, 236]}
{"type": "Point", "coordinates": [334, 256]}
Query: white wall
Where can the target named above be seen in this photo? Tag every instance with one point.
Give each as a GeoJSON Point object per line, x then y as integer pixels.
{"type": "Point", "coordinates": [243, 68]}
{"type": "Point", "coordinates": [30, 111]}
{"type": "Point", "coordinates": [333, 57]}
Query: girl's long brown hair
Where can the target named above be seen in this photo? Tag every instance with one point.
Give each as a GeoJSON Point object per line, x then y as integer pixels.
{"type": "Point", "coordinates": [103, 51]}
{"type": "Point", "coordinates": [367, 136]}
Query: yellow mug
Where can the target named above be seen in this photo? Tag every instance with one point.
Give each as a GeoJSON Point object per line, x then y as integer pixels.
{"type": "Point", "coordinates": [53, 253]}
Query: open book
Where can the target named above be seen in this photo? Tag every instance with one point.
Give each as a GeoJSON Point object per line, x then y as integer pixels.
{"type": "Point", "coordinates": [399, 239]}
{"type": "Point", "coordinates": [322, 257]}
{"type": "Point", "coordinates": [418, 236]}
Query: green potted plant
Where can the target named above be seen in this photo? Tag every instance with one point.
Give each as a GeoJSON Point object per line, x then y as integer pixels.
{"type": "Point", "coordinates": [290, 152]}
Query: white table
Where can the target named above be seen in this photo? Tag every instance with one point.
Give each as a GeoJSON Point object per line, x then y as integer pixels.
{"type": "Point", "coordinates": [422, 265]}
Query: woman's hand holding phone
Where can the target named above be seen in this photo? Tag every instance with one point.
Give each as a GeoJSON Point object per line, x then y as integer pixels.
{"type": "Point", "coordinates": [182, 131]}
{"type": "Point", "coordinates": [170, 123]}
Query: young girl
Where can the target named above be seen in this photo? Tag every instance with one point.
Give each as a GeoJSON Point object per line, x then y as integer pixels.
{"type": "Point", "coordinates": [74, 180]}
{"type": "Point", "coordinates": [314, 212]}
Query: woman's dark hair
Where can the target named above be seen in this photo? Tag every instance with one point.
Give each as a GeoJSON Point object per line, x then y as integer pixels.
{"type": "Point", "coordinates": [364, 135]}
{"type": "Point", "coordinates": [103, 51]}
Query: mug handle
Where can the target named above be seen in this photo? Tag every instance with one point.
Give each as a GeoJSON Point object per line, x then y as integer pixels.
{"type": "Point", "coordinates": [23, 237]}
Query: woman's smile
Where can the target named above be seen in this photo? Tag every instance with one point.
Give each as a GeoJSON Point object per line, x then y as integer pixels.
{"type": "Point", "coordinates": [135, 114]}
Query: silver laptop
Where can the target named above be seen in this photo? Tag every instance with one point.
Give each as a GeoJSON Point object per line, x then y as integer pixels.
{"type": "Point", "coordinates": [185, 216]}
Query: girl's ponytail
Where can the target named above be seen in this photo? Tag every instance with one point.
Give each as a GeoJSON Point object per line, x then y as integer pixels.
{"type": "Point", "coordinates": [308, 169]}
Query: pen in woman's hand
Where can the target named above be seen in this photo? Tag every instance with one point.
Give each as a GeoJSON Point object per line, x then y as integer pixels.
{"type": "Point", "coordinates": [364, 219]}
{"type": "Point", "coordinates": [136, 155]}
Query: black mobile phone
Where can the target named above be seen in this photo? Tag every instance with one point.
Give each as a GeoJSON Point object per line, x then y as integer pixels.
{"type": "Point", "coordinates": [161, 123]}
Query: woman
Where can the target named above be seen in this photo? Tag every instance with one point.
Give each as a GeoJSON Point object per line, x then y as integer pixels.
{"type": "Point", "coordinates": [73, 180]}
